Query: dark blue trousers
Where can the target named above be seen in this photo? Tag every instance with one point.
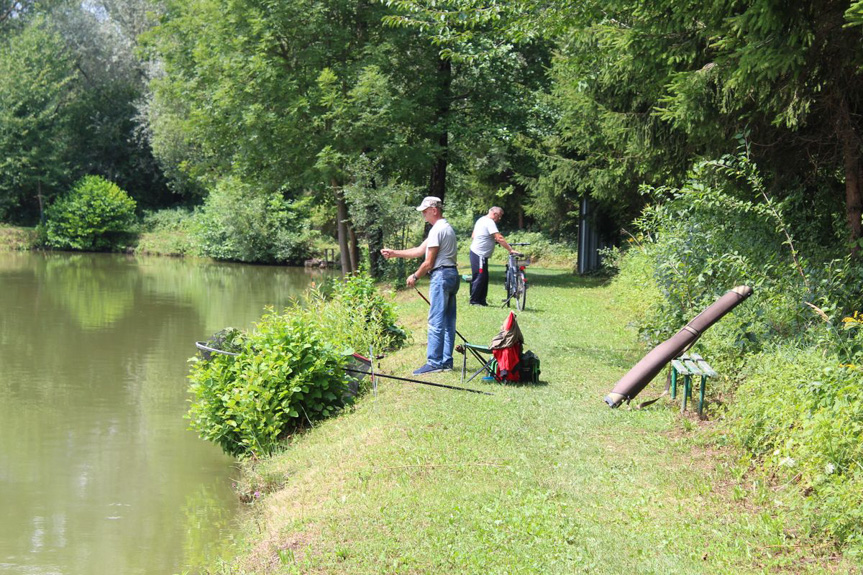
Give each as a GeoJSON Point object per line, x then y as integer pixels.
{"type": "Point", "coordinates": [479, 279]}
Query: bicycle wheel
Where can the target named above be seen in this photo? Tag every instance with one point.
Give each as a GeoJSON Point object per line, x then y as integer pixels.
{"type": "Point", "coordinates": [508, 285]}
{"type": "Point", "coordinates": [520, 292]}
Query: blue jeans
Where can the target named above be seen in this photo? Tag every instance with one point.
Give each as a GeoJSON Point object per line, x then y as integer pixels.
{"type": "Point", "coordinates": [441, 337]}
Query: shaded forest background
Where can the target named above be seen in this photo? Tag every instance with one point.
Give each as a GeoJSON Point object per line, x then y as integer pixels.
{"type": "Point", "coordinates": [278, 123]}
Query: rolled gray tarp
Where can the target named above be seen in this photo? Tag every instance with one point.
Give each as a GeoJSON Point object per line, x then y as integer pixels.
{"type": "Point", "coordinates": [651, 364]}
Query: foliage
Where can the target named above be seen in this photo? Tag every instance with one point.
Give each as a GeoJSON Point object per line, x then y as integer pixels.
{"type": "Point", "coordinates": [644, 90]}
{"type": "Point", "coordinates": [708, 236]}
{"type": "Point", "coordinates": [799, 409]}
{"type": "Point", "coordinates": [290, 369]}
{"type": "Point", "coordinates": [167, 232]}
{"type": "Point", "coordinates": [95, 216]}
{"type": "Point", "coordinates": [249, 90]}
{"type": "Point", "coordinates": [105, 136]}
{"type": "Point", "coordinates": [69, 86]}
{"type": "Point", "coordinates": [374, 109]}
{"type": "Point", "coordinates": [286, 375]}
{"type": "Point", "coordinates": [460, 28]}
{"type": "Point", "coordinates": [240, 223]}
{"type": "Point", "coordinates": [380, 209]}
{"type": "Point", "coordinates": [36, 85]}
{"type": "Point", "coordinates": [356, 311]}
{"type": "Point", "coordinates": [800, 413]}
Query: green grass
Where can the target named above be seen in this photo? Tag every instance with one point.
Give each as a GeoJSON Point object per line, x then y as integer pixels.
{"type": "Point", "coordinates": [534, 479]}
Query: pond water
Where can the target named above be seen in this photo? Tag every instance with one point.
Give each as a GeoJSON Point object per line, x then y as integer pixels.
{"type": "Point", "coordinates": [98, 470]}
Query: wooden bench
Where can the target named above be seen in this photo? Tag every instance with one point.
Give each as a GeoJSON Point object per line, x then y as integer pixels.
{"type": "Point", "coordinates": [689, 365]}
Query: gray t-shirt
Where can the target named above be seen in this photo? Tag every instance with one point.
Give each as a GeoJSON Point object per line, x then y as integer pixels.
{"type": "Point", "coordinates": [443, 237]}
{"type": "Point", "coordinates": [483, 237]}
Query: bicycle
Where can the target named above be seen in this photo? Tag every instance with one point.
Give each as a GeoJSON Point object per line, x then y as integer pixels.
{"type": "Point", "coordinates": [515, 282]}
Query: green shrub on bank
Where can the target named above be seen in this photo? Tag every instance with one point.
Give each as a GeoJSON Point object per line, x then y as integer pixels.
{"type": "Point", "coordinates": [95, 216]}
{"type": "Point", "coordinates": [286, 375]}
{"type": "Point", "coordinates": [289, 371]}
{"type": "Point", "coordinates": [711, 235]}
{"type": "Point", "coordinates": [238, 223]}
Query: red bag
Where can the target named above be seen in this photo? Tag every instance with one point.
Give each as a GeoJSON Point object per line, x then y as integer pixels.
{"type": "Point", "coordinates": [506, 348]}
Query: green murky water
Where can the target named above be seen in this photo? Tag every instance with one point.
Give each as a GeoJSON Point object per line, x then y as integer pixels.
{"type": "Point", "coordinates": [98, 472]}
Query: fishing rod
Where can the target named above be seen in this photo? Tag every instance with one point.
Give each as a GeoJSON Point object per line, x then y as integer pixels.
{"type": "Point", "coordinates": [349, 370]}
{"type": "Point", "coordinates": [428, 302]}
{"type": "Point", "coordinates": [475, 353]}
{"type": "Point", "coordinates": [202, 346]}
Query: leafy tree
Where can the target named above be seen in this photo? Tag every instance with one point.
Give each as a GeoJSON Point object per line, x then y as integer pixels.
{"type": "Point", "coordinates": [285, 96]}
{"type": "Point", "coordinates": [36, 88]}
{"type": "Point", "coordinates": [792, 74]}
{"type": "Point", "coordinates": [490, 71]}
{"type": "Point", "coordinates": [76, 63]}
{"type": "Point", "coordinates": [646, 89]}
{"type": "Point", "coordinates": [105, 136]}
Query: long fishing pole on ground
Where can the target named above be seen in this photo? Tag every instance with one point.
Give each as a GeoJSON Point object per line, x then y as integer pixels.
{"type": "Point", "coordinates": [207, 349]}
{"type": "Point", "coordinates": [475, 353]}
{"type": "Point", "coordinates": [349, 370]}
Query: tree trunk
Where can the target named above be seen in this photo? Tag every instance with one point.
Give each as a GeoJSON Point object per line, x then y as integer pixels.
{"type": "Point", "coordinates": [41, 201]}
{"type": "Point", "coordinates": [853, 175]}
{"type": "Point", "coordinates": [342, 225]}
{"type": "Point", "coordinates": [355, 250]}
{"type": "Point", "coordinates": [437, 182]}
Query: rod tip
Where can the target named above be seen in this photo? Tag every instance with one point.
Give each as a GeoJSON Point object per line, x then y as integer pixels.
{"type": "Point", "coordinates": [744, 291]}
{"type": "Point", "coordinates": [613, 399]}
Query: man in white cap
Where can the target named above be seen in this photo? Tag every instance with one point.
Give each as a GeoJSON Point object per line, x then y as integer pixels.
{"type": "Point", "coordinates": [439, 251]}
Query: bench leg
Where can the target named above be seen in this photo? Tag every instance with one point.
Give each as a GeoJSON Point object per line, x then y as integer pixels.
{"type": "Point", "coordinates": [701, 395]}
{"type": "Point", "coordinates": [673, 383]}
{"type": "Point", "coordinates": [687, 391]}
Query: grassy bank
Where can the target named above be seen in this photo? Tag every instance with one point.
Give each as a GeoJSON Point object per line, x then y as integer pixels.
{"type": "Point", "coordinates": [541, 479]}
{"type": "Point", "coordinates": [16, 239]}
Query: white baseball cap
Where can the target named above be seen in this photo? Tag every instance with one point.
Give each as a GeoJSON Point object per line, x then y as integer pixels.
{"type": "Point", "coordinates": [429, 202]}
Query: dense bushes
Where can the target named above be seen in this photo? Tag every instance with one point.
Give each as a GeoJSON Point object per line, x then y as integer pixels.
{"type": "Point", "coordinates": [167, 232]}
{"type": "Point", "coordinates": [289, 371]}
{"type": "Point", "coordinates": [801, 414]}
{"type": "Point", "coordinates": [286, 374]}
{"type": "Point", "coordinates": [794, 375]}
{"type": "Point", "coordinates": [95, 216]}
{"type": "Point", "coordinates": [263, 229]}
{"type": "Point", "coordinates": [241, 224]}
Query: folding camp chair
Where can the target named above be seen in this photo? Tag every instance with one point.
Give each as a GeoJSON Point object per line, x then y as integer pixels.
{"type": "Point", "coordinates": [489, 366]}
{"type": "Point", "coordinates": [505, 349]}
